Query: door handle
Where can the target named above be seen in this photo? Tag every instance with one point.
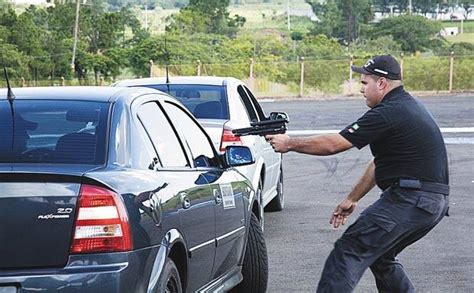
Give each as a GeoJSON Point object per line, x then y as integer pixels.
{"type": "Point", "coordinates": [217, 196]}
{"type": "Point", "coordinates": [185, 200]}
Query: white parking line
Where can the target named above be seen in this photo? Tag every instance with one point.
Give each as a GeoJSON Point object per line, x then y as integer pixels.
{"type": "Point", "coordinates": [448, 140]}
{"type": "Point", "coordinates": [457, 130]}
{"type": "Point", "coordinates": [459, 140]}
{"type": "Point", "coordinates": [312, 132]}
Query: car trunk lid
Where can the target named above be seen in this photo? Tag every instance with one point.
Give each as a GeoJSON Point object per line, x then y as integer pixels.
{"type": "Point", "coordinates": [214, 128]}
{"type": "Point", "coordinates": [37, 214]}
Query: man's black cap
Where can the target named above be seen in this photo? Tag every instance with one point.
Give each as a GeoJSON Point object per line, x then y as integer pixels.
{"type": "Point", "coordinates": [383, 65]}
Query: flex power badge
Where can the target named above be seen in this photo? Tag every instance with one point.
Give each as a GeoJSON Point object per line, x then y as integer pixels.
{"type": "Point", "coordinates": [227, 193]}
{"type": "Point", "coordinates": [61, 213]}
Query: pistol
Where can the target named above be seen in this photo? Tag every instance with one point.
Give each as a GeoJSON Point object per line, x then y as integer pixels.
{"type": "Point", "coordinates": [262, 128]}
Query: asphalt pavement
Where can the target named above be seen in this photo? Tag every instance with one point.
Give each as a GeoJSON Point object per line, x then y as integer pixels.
{"type": "Point", "coordinates": [300, 238]}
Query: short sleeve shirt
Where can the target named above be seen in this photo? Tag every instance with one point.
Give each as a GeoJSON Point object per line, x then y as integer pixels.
{"type": "Point", "coordinates": [404, 140]}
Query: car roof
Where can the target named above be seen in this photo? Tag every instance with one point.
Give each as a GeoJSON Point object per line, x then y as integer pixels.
{"type": "Point", "coordinates": [77, 93]}
{"type": "Point", "coordinates": [201, 80]}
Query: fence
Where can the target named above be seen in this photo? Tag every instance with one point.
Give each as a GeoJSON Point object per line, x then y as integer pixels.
{"type": "Point", "coordinates": [310, 77]}
{"type": "Point", "coordinates": [321, 77]}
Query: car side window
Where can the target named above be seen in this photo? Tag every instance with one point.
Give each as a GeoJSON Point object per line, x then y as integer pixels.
{"type": "Point", "coordinates": [260, 113]}
{"type": "Point", "coordinates": [247, 103]}
{"type": "Point", "coordinates": [162, 135]}
{"type": "Point", "coordinates": [197, 141]}
{"type": "Point", "coordinates": [147, 157]}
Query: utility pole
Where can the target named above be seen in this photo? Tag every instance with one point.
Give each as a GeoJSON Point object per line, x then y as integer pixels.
{"type": "Point", "coordinates": [288, 14]}
{"type": "Point", "coordinates": [76, 31]}
{"type": "Point", "coordinates": [146, 16]}
{"type": "Point", "coordinates": [410, 7]}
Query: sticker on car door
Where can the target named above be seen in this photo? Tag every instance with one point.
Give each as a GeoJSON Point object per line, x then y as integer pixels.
{"type": "Point", "coordinates": [227, 196]}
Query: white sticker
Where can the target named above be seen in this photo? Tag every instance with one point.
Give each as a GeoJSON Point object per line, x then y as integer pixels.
{"type": "Point", "coordinates": [227, 196]}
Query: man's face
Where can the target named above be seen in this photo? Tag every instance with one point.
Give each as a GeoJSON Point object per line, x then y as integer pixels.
{"type": "Point", "coordinates": [371, 88]}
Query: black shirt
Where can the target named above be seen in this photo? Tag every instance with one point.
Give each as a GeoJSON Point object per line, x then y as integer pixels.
{"type": "Point", "coordinates": [404, 139]}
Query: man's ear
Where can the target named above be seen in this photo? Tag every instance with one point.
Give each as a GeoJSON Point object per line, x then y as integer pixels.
{"type": "Point", "coordinates": [382, 83]}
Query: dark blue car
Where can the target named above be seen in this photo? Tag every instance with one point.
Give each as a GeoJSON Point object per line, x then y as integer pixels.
{"type": "Point", "coordinates": [120, 190]}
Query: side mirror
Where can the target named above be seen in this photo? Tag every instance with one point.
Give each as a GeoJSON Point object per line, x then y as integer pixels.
{"type": "Point", "coordinates": [238, 156]}
{"type": "Point", "coordinates": [279, 116]}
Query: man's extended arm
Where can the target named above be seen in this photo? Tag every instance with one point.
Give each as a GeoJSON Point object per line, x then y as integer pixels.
{"type": "Point", "coordinates": [347, 206]}
{"type": "Point", "coordinates": [321, 145]}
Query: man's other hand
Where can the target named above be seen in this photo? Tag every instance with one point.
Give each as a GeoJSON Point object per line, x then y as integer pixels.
{"type": "Point", "coordinates": [342, 211]}
{"type": "Point", "coordinates": [279, 142]}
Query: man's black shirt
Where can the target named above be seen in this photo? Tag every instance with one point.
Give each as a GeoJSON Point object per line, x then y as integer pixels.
{"type": "Point", "coordinates": [404, 139]}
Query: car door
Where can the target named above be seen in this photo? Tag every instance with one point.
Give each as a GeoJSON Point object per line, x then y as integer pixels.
{"type": "Point", "coordinates": [190, 188]}
{"type": "Point", "coordinates": [273, 157]}
{"type": "Point", "coordinates": [262, 147]}
{"type": "Point", "coordinates": [228, 188]}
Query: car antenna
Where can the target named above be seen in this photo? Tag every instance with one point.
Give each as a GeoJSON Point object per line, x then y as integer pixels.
{"type": "Point", "coordinates": [167, 61]}
{"type": "Point", "coordinates": [10, 97]}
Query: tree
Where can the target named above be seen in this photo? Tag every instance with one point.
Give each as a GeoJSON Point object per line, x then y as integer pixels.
{"type": "Point", "coordinates": [366, 48]}
{"type": "Point", "coordinates": [99, 33]}
{"type": "Point", "coordinates": [205, 16]}
{"type": "Point", "coordinates": [413, 33]}
{"type": "Point", "coordinates": [382, 6]}
{"type": "Point", "coordinates": [186, 21]}
{"type": "Point", "coordinates": [425, 6]}
{"type": "Point", "coordinates": [331, 20]}
{"type": "Point", "coordinates": [467, 6]}
{"type": "Point", "coordinates": [341, 19]}
{"type": "Point", "coordinates": [320, 47]}
{"type": "Point", "coordinates": [15, 61]}
{"type": "Point", "coordinates": [42, 40]}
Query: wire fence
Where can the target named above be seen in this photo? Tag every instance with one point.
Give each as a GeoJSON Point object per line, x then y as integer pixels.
{"type": "Point", "coordinates": [308, 77]}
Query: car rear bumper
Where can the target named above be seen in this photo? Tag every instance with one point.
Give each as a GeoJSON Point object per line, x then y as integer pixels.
{"type": "Point", "coordinates": [110, 272]}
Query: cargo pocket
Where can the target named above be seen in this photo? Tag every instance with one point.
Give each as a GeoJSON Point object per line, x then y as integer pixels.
{"type": "Point", "coordinates": [381, 228]}
{"type": "Point", "coordinates": [428, 204]}
{"type": "Point", "coordinates": [371, 231]}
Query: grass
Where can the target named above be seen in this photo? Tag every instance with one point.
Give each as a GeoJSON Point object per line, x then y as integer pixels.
{"type": "Point", "coordinates": [468, 26]}
{"type": "Point", "coordinates": [297, 23]}
{"type": "Point", "coordinates": [468, 31]}
{"type": "Point", "coordinates": [156, 18]}
{"type": "Point", "coordinates": [465, 37]}
{"type": "Point", "coordinates": [258, 16]}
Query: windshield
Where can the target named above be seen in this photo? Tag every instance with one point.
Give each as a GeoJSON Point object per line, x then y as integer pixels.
{"type": "Point", "coordinates": [67, 132]}
{"type": "Point", "coordinates": [204, 101]}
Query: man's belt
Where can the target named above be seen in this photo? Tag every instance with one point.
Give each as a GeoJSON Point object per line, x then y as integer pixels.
{"type": "Point", "coordinates": [423, 186]}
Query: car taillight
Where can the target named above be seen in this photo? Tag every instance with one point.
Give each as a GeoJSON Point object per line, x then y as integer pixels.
{"type": "Point", "coordinates": [101, 222]}
{"type": "Point", "coordinates": [228, 138]}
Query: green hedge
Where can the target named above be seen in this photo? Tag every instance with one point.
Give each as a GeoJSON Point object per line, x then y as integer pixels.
{"type": "Point", "coordinates": [426, 74]}
{"type": "Point", "coordinates": [324, 76]}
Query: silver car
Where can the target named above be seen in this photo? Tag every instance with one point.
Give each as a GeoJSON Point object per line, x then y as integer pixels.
{"type": "Point", "coordinates": [222, 104]}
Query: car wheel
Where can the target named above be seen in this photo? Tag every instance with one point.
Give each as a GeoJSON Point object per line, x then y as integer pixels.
{"type": "Point", "coordinates": [170, 280]}
{"type": "Point", "coordinates": [255, 267]}
{"type": "Point", "coordinates": [277, 204]}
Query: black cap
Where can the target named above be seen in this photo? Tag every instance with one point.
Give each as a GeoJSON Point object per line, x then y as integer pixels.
{"type": "Point", "coordinates": [383, 65]}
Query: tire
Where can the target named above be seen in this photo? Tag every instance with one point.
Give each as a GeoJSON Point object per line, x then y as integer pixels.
{"type": "Point", "coordinates": [170, 280]}
{"type": "Point", "coordinates": [277, 204]}
{"type": "Point", "coordinates": [255, 267]}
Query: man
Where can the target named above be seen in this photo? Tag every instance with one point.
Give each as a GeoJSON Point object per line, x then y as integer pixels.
{"type": "Point", "coordinates": [410, 166]}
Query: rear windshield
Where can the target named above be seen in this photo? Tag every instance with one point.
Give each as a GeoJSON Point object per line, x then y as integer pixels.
{"type": "Point", "coordinates": [47, 131]}
{"type": "Point", "coordinates": [204, 101]}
